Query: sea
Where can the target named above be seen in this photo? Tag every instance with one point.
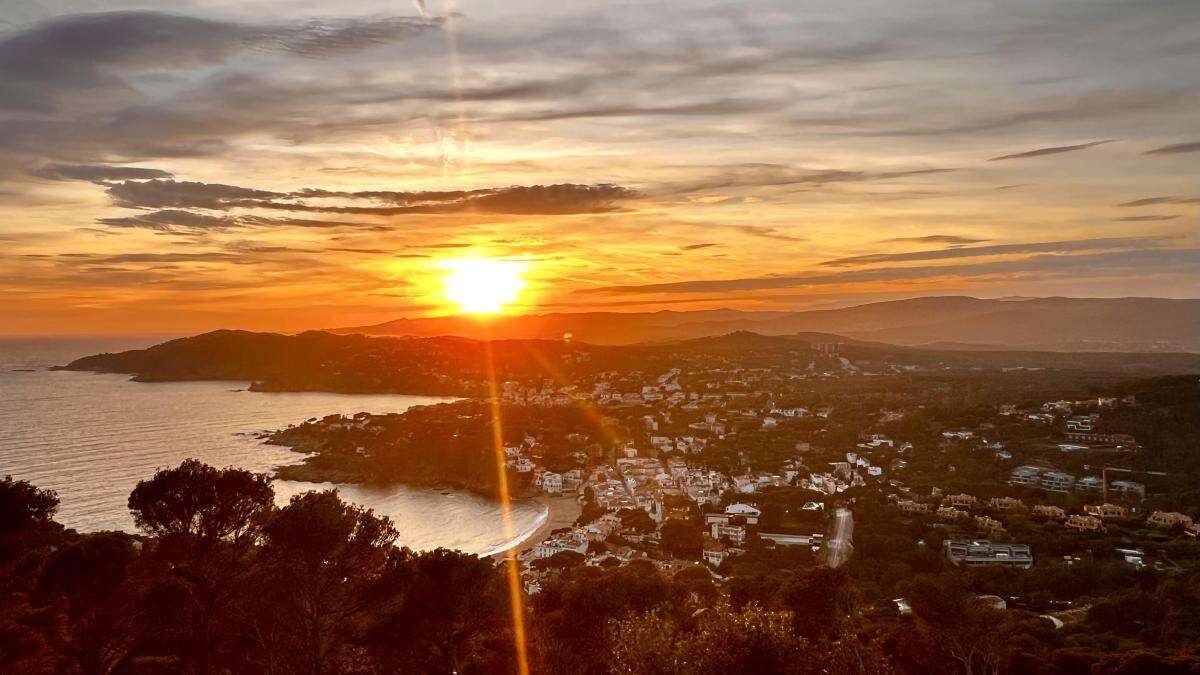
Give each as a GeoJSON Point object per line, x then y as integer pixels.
{"type": "Point", "coordinates": [91, 437]}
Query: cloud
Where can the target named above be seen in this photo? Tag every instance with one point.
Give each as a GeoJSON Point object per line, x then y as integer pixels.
{"type": "Point", "coordinates": [1051, 151]}
{"type": "Point", "coordinates": [697, 247]}
{"type": "Point", "coordinates": [1145, 261]}
{"type": "Point", "coordinates": [1143, 219]}
{"type": "Point", "coordinates": [936, 239]}
{"type": "Point", "coordinates": [96, 173]}
{"type": "Point", "coordinates": [781, 175]}
{"type": "Point", "coordinates": [1153, 201]}
{"type": "Point", "coordinates": [562, 199]}
{"type": "Point", "coordinates": [998, 249]}
{"type": "Point", "coordinates": [767, 233]}
{"type": "Point", "coordinates": [181, 221]}
{"type": "Point", "coordinates": [1176, 149]}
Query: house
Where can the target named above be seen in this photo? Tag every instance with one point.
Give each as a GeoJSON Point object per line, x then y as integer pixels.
{"type": "Point", "coordinates": [1081, 523]}
{"type": "Point", "coordinates": [980, 553]}
{"type": "Point", "coordinates": [1006, 504]}
{"type": "Point", "coordinates": [1169, 519]}
{"type": "Point", "coordinates": [524, 465]}
{"type": "Point", "coordinates": [1089, 484]}
{"type": "Point", "coordinates": [732, 533]}
{"type": "Point", "coordinates": [716, 556]}
{"type": "Point", "coordinates": [552, 483]}
{"type": "Point", "coordinates": [1048, 511]}
{"type": "Point", "coordinates": [988, 524]}
{"type": "Point", "coordinates": [734, 513]}
{"type": "Point", "coordinates": [960, 500]}
{"type": "Point", "coordinates": [1106, 511]}
{"type": "Point", "coordinates": [909, 506]}
{"type": "Point", "coordinates": [952, 514]}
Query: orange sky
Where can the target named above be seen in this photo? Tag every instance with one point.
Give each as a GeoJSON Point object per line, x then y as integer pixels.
{"type": "Point", "coordinates": [178, 172]}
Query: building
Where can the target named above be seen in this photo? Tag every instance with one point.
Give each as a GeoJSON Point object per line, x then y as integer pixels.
{"type": "Point", "coordinates": [1128, 488]}
{"type": "Point", "coordinates": [1106, 511]}
{"type": "Point", "coordinates": [1056, 481]}
{"type": "Point", "coordinates": [1006, 504]}
{"type": "Point", "coordinates": [1168, 519]}
{"type": "Point", "coordinates": [1079, 424]}
{"type": "Point", "coordinates": [981, 553]}
{"type": "Point", "coordinates": [1048, 511]}
{"type": "Point", "coordinates": [988, 524]}
{"type": "Point", "coordinates": [810, 540]}
{"type": "Point", "coordinates": [1083, 523]}
{"type": "Point", "coordinates": [952, 514]}
{"type": "Point", "coordinates": [909, 506]}
{"type": "Point", "coordinates": [1122, 441]}
{"type": "Point", "coordinates": [552, 483]}
{"type": "Point", "coordinates": [961, 500]}
{"type": "Point", "coordinates": [1025, 475]}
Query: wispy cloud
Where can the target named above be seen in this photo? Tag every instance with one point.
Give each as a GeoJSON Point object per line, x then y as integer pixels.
{"type": "Point", "coordinates": [1154, 201]}
{"type": "Point", "coordinates": [936, 239]}
{"type": "Point", "coordinates": [1175, 149]}
{"type": "Point", "coordinates": [1056, 150]}
{"type": "Point", "coordinates": [1000, 249]}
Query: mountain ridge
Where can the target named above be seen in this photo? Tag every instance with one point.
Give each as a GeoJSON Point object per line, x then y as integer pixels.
{"type": "Point", "coordinates": [1056, 323]}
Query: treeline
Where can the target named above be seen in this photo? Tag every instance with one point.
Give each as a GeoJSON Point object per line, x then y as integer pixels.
{"type": "Point", "coordinates": [220, 580]}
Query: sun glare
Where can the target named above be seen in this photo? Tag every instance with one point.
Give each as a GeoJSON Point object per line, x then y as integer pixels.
{"type": "Point", "coordinates": [483, 285]}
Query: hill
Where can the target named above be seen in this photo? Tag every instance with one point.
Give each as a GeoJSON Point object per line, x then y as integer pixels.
{"type": "Point", "coordinates": [320, 361]}
{"type": "Point", "coordinates": [959, 322]}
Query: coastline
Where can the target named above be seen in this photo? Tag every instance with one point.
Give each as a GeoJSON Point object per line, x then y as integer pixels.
{"type": "Point", "coordinates": [561, 511]}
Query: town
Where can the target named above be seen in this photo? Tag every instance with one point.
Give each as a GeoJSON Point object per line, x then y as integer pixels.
{"type": "Point", "coordinates": [718, 466]}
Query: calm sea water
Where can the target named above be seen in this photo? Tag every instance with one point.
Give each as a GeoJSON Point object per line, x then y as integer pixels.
{"type": "Point", "coordinates": [92, 437]}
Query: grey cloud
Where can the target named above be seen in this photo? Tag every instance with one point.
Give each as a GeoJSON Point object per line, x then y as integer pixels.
{"type": "Point", "coordinates": [562, 199]}
{"type": "Point", "coordinates": [1175, 149]}
{"type": "Point", "coordinates": [1153, 201]}
{"type": "Point", "coordinates": [999, 249]}
{"type": "Point", "coordinates": [95, 172]}
{"type": "Point", "coordinates": [1143, 219]}
{"type": "Point", "coordinates": [177, 220]}
{"type": "Point", "coordinates": [780, 175]}
{"type": "Point", "coordinates": [937, 239]}
{"type": "Point", "coordinates": [1040, 152]}
{"type": "Point", "coordinates": [170, 193]}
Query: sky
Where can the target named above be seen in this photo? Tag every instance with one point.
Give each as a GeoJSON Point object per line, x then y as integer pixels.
{"type": "Point", "coordinates": [170, 167]}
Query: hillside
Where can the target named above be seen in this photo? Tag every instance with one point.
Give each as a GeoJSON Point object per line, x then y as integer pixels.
{"type": "Point", "coordinates": [318, 361]}
{"type": "Point", "coordinates": [1044, 324]}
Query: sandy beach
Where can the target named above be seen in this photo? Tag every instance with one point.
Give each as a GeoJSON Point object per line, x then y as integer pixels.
{"type": "Point", "coordinates": [561, 512]}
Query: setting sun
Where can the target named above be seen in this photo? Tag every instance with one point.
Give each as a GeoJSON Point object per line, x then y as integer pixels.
{"type": "Point", "coordinates": [483, 285]}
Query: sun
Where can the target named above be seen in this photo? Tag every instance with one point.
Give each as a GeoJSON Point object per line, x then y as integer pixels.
{"type": "Point", "coordinates": [483, 285]}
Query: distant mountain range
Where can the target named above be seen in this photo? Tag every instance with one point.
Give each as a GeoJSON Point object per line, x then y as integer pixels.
{"type": "Point", "coordinates": [947, 322]}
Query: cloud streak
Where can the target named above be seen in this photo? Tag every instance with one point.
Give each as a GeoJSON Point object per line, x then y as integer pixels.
{"type": "Point", "coordinates": [1056, 150]}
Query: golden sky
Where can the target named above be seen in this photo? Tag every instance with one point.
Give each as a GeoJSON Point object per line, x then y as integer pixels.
{"type": "Point", "coordinates": [183, 166]}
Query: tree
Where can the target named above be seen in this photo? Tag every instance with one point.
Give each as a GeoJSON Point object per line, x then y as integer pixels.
{"type": "Point", "coordinates": [206, 522]}
{"type": "Point", "coordinates": [682, 538]}
{"type": "Point", "coordinates": [22, 504]}
{"type": "Point", "coordinates": [325, 556]}
{"type": "Point", "coordinates": [195, 501]}
{"type": "Point", "coordinates": [96, 579]}
{"type": "Point", "coordinates": [637, 520]}
{"type": "Point", "coordinates": [452, 614]}
{"type": "Point", "coordinates": [967, 630]}
{"type": "Point", "coordinates": [719, 641]}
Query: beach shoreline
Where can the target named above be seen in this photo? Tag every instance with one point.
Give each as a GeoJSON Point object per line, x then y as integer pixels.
{"type": "Point", "coordinates": [561, 511]}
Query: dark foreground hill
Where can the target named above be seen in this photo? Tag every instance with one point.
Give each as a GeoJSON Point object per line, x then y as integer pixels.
{"type": "Point", "coordinates": [1046, 324]}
